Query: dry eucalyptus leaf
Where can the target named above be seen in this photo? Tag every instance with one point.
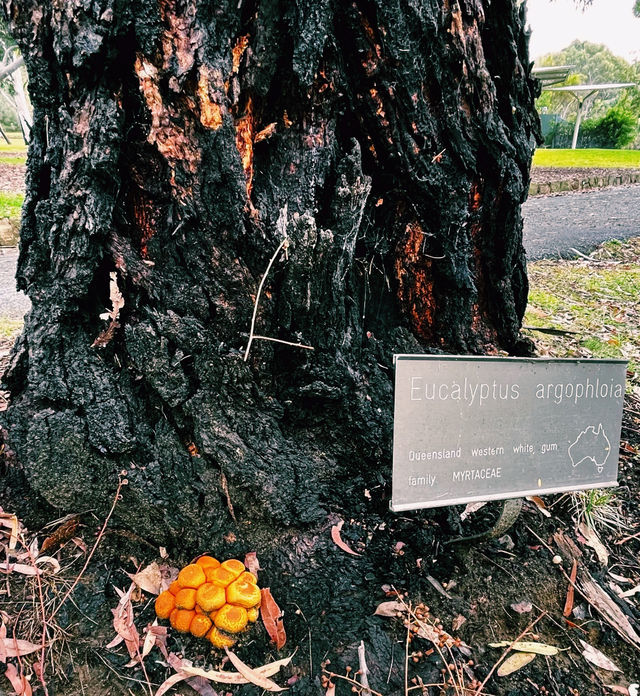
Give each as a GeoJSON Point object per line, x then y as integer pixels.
{"type": "Point", "coordinates": [593, 540]}
{"type": "Point", "coordinates": [514, 662]}
{"type": "Point", "coordinates": [251, 674]}
{"type": "Point", "coordinates": [527, 646]}
{"type": "Point", "coordinates": [390, 609]}
{"type": "Point", "coordinates": [595, 657]}
{"type": "Point", "coordinates": [522, 607]}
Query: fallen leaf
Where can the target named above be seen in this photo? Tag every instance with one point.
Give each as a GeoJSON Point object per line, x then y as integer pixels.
{"type": "Point", "coordinates": [438, 587]}
{"type": "Point", "coordinates": [390, 609]}
{"type": "Point", "coordinates": [148, 579]}
{"type": "Point", "coordinates": [11, 522]}
{"type": "Point", "coordinates": [593, 540]}
{"type": "Point", "coordinates": [631, 592]}
{"type": "Point", "coordinates": [619, 689]}
{"type": "Point", "coordinates": [458, 622]}
{"type": "Point", "coordinates": [595, 657]}
{"type": "Point", "coordinates": [470, 509]}
{"type": "Point", "coordinates": [18, 681]}
{"type": "Point", "coordinates": [201, 686]}
{"type": "Point", "coordinates": [337, 540]}
{"type": "Point", "coordinates": [14, 647]}
{"type": "Point", "coordinates": [185, 670]}
{"type": "Point", "coordinates": [539, 503]}
{"type": "Point", "coordinates": [149, 639]}
{"type": "Point", "coordinates": [272, 618]}
{"type": "Point", "coordinates": [252, 563]}
{"type": "Point", "coordinates": [18, 568]}
{"type": "Point", "coordinates": [523, 607]}
{"type": "Point", "coordinates": [66, 531]}
{"type": "Point", "coordinates": [170, 682]}
{"type": "Point", "coordinates": [155, 578]}
{"type": "Point", "coordinates": [252, 675]}
{"type": "Point", "coordinates": [514, 662]}
{"type": "Point", "coordinates": [123, 624]}
{"type": "Point", "coordinates": [527, 646]}
{"type": "Point", "coordinates": [568, 605]}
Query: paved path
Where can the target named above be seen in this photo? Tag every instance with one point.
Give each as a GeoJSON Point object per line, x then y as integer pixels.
{"type": "Point", "coordinates": [581, 220]}
{"type": "Point", "coordinates": [13, 304]}
{"type": "Point", "coordinates": [553, 225]}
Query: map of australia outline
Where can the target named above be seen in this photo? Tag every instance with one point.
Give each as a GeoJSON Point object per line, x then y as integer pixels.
{"type": "Point", "coordinates": [588, 445]}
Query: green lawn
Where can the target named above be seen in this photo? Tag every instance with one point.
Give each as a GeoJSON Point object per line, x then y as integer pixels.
{"type": "Point", "coordinates": [17, 144]}
{"type": "Point", "coordinates": [11, 205]}
{"type": "Point", "coordinates": [13, 160]}
{"type": "Point", "coordinates": [587, 158]}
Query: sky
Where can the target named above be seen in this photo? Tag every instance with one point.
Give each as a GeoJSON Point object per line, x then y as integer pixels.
{"type": "Point", "coordinates": [556, 23]}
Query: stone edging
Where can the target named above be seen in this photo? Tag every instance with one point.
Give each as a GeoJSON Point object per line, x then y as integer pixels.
{"type": "Point", "coordinates": [592, 182]}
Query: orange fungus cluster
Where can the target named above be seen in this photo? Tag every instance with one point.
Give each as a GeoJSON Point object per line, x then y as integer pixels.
{"type": "Point", "coordinates": [211, 599]}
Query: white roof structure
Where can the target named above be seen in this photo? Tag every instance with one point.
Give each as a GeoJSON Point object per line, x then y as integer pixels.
{"type": "Point", "coordinates": [581, 93]}
{"type": "Point", "coordinates": [551, 74]}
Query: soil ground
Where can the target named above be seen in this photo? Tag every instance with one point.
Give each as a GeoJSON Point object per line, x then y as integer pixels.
{"type": "Point", "coordinates": [479, 593]}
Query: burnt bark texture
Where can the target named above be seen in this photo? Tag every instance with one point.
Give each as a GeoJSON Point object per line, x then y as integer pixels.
{"type": "Point", "coordinates": [175, 143]}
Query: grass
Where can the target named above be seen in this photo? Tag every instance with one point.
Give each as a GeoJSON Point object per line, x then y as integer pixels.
{"type": "Point", "coordinates": [11, 205]}
{"type": "Point", "coordinates": [595, 298]}
{"type": "Point", "coordinates": [10, 328]}
{"type": "Point", "coordinates": [13, 160]}
{"type": "Point", "coordinates": [605, 159]}
{"type": "Point", "coordinates": [17, 144]}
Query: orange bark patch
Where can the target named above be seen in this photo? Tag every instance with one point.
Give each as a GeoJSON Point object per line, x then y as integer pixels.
{"type": "Point", "coordinates": [238, 51]}
{"type": "Point", "coordinates": [176, 143]}
{"type": "Point", "coordinates": [244, 142]}
{"type": "Point", "coordinates": [180, 37]}
{"type": "Point", "coordinates": [480, 324]}
{"type": "Point", "coordinates": [379, 106]}
{"type": "Point", "coordinates": [415, 282]}
{"type": "Point", "coordinates": [210, 112]}
{"type": "Point", "coordinates": [145, 216]}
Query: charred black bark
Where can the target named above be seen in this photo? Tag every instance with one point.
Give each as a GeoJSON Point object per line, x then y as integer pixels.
{"type": "Point", "coordinates": [168, 140]}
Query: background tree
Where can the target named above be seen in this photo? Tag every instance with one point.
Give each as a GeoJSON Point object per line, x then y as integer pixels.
{"type": "Point", "coordinates": [174, 147]}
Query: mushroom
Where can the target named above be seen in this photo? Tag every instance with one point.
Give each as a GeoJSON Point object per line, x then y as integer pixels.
{"type": "Point", "coordinates": [165, 604]}
{"type": "Point", "coordinates": [231, 618]}
{"type": "Point", "coordinates": [244, 594]}
{"type": "Point", "coordinates": [181, 619]}
{"type": "Point", "coordinates": [211, 599]}
{"type": "Point", "coordinates": [191, 576]}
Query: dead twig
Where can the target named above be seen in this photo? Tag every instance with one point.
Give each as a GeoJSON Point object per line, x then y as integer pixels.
{"type": "Point", "coordinates": [364, 670]}
{"type": "Point", "coordinates": [284, 244]}
{"type": "Point", "coordinates": [121, 482]}
{"type": "Point", "coordinates": [45, 624]}
{"type": "Point", "coordinates": [353, 682]}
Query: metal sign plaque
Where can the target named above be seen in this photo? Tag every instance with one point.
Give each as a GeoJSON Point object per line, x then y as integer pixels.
{"type": "Point", "coordinates": [480, 428]}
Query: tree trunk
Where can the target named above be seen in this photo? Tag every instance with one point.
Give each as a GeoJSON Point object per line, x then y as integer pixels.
{"type": "Point", "coordinates": [174, 145]}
